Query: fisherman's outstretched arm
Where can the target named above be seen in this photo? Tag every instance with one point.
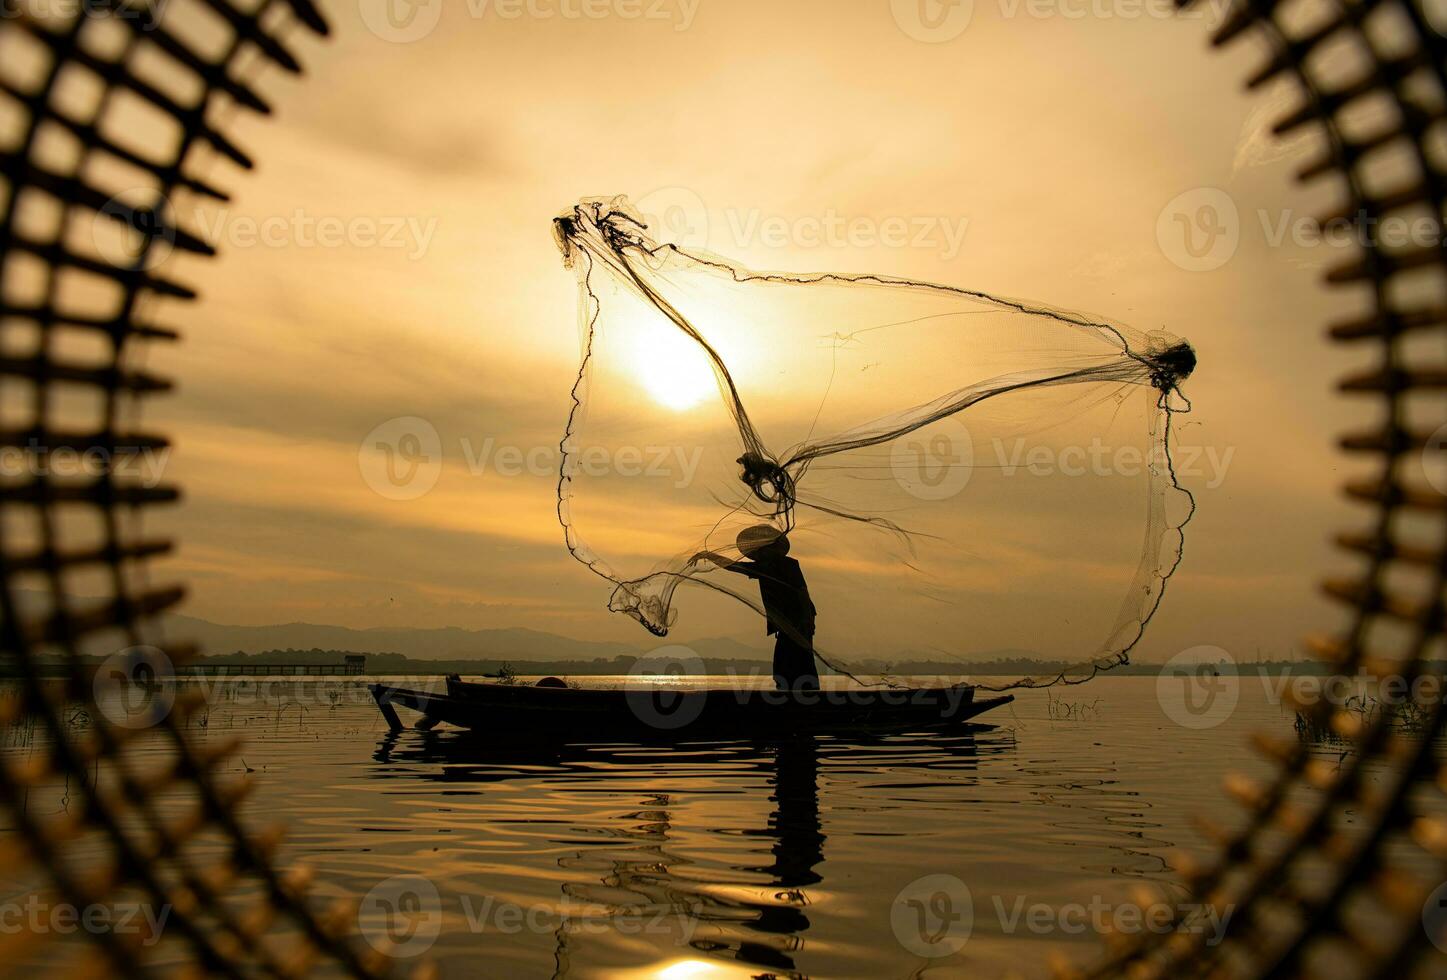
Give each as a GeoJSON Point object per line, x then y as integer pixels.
{"type": "Point", "coordinates": [739, 566]}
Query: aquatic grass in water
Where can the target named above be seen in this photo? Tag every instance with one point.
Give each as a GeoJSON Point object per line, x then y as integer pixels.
{"type": "Point", "coordinates": [1404, 717]}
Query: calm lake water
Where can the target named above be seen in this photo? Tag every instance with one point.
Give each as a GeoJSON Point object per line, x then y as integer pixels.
{"type": "Point", "coordinates": [885, 857]}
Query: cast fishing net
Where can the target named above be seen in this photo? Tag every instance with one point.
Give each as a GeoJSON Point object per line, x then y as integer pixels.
{"type": "Point", "coordinates": [962, 476]}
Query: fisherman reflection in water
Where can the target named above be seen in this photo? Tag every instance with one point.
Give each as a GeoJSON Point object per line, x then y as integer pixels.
{"type": "Point", "coordinates": [787, 605]}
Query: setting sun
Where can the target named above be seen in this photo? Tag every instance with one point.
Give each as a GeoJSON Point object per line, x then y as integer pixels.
{"type": "Point", "coordinates": [673, 369]}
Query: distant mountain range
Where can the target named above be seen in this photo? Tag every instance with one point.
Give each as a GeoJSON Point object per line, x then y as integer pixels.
{"type": "Point", "coordinates": [517, 645]}
{"type": "Point", "coordinates": [446, 643]}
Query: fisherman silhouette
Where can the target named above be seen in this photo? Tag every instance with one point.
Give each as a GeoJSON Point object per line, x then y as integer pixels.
{"type": "Point", "coordinates": [787, 606]}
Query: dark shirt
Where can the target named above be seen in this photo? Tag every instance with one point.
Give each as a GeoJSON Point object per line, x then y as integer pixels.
{"type": "Point", "coordinates": [785, 593]}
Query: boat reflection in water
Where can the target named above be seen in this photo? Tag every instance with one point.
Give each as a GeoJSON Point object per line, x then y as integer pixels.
{"type": "Point", "coordinates": [715, 913]}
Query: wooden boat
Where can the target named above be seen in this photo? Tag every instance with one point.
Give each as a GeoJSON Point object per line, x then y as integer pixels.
{"type": "Point", "coordinates": [553, 710]}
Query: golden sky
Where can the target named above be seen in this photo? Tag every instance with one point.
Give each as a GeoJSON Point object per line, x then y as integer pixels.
{"type": "Point", "coordinates": [392, 258]}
